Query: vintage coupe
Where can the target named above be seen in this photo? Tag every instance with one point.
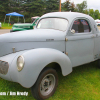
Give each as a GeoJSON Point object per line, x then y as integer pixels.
{"type": "Point", "coordinates": [60, 40]}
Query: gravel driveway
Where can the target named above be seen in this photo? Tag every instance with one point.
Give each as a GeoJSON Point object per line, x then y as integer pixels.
{"type": "Point", "coordinates": [2, 31]}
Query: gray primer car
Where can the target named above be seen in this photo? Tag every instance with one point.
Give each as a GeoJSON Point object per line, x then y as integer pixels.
{"type": "Point", "coordinates": [60, 40]}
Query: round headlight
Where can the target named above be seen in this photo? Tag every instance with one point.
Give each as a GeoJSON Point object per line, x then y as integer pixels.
{"type": "Point", "coordinates": [20, 63]}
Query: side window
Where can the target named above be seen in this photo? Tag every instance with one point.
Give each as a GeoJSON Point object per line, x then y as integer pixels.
{"type": "Point", "coordinates": [75, 25]}
{"type": "Point", "coordinates": [81, 26]}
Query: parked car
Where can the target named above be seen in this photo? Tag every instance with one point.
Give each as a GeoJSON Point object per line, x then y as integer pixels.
{"type": "Point", "coordinates": [60, 40]}
{"type": "Point", "coordinates": [97, 22]}
{"type": "Point", "coordinates": [25, 26]}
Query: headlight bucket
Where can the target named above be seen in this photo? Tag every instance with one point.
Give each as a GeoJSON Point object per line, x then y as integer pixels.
{"type": "Point", "coordinates": [20, 63]}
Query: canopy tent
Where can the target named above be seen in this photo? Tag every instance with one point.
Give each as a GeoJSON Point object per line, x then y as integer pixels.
{"type": "Point", "coordinates": [14, 14]}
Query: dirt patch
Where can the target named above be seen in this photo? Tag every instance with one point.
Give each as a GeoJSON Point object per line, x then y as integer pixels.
{"type": "Point", "coordinates": [2, 31]}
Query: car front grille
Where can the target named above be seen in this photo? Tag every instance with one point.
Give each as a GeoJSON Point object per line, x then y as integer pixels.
{"type": "Point", "coordinates": [4, 67]}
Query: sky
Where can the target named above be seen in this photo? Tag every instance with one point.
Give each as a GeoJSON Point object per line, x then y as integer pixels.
{"type": "Point", "coordinates": [91, 4]}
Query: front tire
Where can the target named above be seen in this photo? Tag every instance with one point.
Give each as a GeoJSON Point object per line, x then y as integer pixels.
{"type": "Point", "coordinates": [46, 84]}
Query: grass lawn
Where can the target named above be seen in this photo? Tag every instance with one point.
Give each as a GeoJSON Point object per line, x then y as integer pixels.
{"type": "Point", "coordinates": [6, 26]}
{"type": "Point", "coordinates": [82, 84]}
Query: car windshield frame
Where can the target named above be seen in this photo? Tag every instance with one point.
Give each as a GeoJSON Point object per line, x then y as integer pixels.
{"type": "Point", "coordinates": [62, 23]}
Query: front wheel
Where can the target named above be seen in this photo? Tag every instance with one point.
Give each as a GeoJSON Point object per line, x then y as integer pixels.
{"type": "Point", "coordinates": [46, 84]}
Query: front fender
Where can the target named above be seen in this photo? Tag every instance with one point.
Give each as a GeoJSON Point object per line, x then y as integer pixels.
{"type": "Point", "coordinates": [35, 61]}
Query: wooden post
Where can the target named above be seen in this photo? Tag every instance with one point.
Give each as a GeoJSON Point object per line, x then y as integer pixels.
{"type": "Point", "coordinates": [18, 19]}
{"type": "Point", "coordinates": [59, 5]}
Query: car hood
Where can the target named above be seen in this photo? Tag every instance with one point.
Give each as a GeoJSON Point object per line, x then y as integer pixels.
{"type": "Point", "coordinates": [33, 35]}
{"type": "Point", "coordinates": [22, 24]}
{"type": "Point", "coordinates": [30, 39]}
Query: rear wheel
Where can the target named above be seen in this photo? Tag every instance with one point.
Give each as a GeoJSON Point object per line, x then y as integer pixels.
{"type": "Point", "coordinates": [46, 84]}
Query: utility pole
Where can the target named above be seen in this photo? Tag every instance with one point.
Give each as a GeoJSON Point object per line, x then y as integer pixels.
{"type": "Point", "coordinates": [59, 5]}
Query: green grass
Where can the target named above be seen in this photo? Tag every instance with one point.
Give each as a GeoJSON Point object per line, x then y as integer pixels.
{"type": "Point", "coordinates": [82, 84]}
{"type": "Point", "coordinates": [6, 26]}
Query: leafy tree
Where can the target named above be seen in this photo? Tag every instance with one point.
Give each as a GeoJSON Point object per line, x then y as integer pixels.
{"type": "Point", "coordinates": [51, 5]}
{"type": "Point", "coordinates": [30, 8]}
{"type": "Point", "coordinates": [4, 8]}
{"type": "Point", "coordinates": [86, 12]}
{"type": "Point", "coordinates": [91, 13]}
{"type": "Point", "coordinates": [68, 6]}
{"type": "Point", "coordinates": [72, 7]}
{"type": "Point", "coordinates": [96, 14]}
{"type": "Point", "coordinates": [81, 7]}
{"type": "Point", "coordinates": [35, 8]}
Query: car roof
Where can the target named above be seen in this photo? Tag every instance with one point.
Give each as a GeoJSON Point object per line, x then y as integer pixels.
{"type": "Point", "coordinates": [67, 15]}
{"type": "Point", "coordinates": [71, 16]}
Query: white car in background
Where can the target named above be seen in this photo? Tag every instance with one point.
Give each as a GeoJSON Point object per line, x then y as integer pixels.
{"type": "Point", "coordinates": [97, 22]}
{"type": "Point", "coordinates": [0, 24]}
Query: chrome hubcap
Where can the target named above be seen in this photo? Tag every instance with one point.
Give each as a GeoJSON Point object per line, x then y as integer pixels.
{"type": "Point", "coordinates": [47, 84]}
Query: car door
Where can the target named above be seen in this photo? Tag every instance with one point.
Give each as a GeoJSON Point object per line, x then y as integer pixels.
{"type": "Point", "coordinates": [80, 42]}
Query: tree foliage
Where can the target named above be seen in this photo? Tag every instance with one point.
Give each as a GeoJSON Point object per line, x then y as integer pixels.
{"type": "Point", "coordinates": [51, 5]}
{"type": "Point", "coordinates": [81, 7]}
{"type": "Point", "coordinates": [30, 8]}
{"type": "Point", "coordinates": [68, 6]}
{"type": "Point", "coordinates": [4, 8]}
{"type": "Point", "coordinates": [97, 14]}
{"type": "Point", "coordinates": [91, 13]}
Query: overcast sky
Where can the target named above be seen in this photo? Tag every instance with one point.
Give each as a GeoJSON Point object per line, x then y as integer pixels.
{"type": "Point", "coordinates": [92, 4]}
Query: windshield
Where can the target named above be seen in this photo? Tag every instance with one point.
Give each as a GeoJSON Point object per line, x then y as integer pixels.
{"type": "Point", "coordinates": [53, 23]}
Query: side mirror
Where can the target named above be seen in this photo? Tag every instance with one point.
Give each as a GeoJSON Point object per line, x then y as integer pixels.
{"type": "Point", "coordinates": [73, 31]}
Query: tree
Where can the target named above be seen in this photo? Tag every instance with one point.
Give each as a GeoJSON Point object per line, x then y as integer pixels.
{"type": "Point", "coordinates": [35, 8]}
{"type": "Point", "coordinates": [4, 8]}
{"type": "Point", "coordinates": [68, 6]}
{"type": "Point", "coordinates": [91, 13]}
{"type": "Point", "coordinates": [86, 12]}
{"type": "Point", "coordinates": [38, 8]}
{"type": "Point", "coordinates": [97, 14]}
{"type": "Point", "coordinates": [81, 7]}
{"type": "Point", "coordinates": [72, 7]}
{"type": "Point", "coordinates": [51, 5]}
